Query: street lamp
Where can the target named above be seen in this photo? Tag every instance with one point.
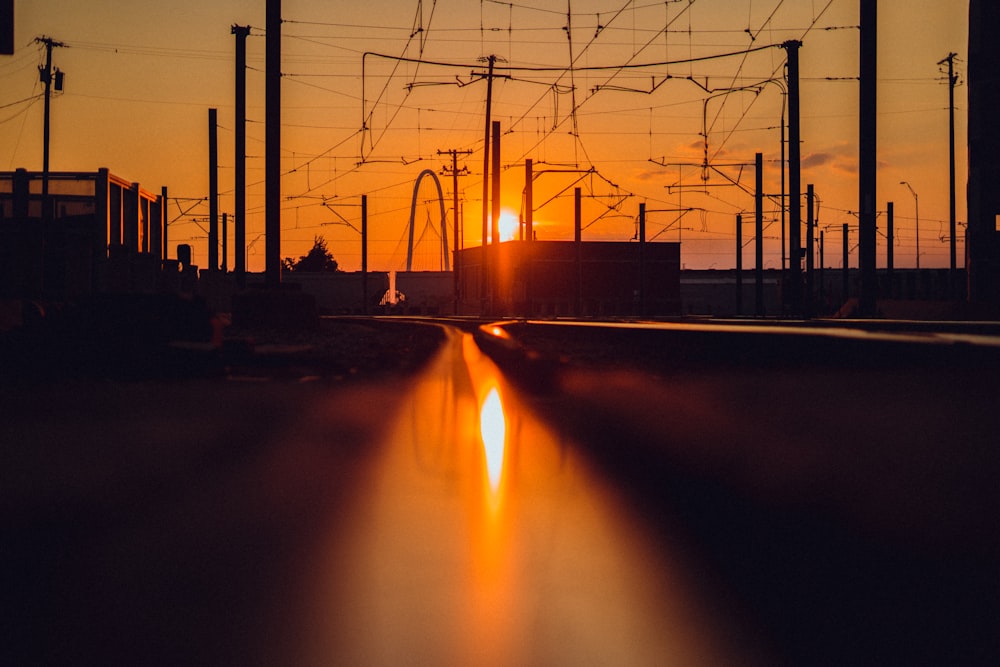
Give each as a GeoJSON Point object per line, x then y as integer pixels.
{"type": "Point", "coordinates": [916, 207]}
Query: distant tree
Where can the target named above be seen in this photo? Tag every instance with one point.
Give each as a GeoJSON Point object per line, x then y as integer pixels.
{"type": "Point", "coordinates": [318, 260]}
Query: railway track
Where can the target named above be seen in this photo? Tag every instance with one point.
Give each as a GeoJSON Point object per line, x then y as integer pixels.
{"type": "Point", "coordinates": [713, 493]}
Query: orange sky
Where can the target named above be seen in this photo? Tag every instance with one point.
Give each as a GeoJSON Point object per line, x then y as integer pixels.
{"type": "Point", "coordinates": [140, 79]}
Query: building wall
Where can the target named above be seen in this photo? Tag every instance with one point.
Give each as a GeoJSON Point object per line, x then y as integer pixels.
{"type": "Point", "coordinates": [713, 292]}
{"type": "Point", "coordinates": [104, 236]}
{"type": "Point", "coordinates": [983, 236]}
{"type": "Point", "coordinates": [427, 292]}
{"type": "Point", "coordinates": [553, 278]}
{"type": "Point", "coordinates": [710, 292]}
{"type": "Point", "coordinates": [339, 293]}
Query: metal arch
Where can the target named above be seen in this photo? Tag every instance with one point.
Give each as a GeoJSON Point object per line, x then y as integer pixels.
{"type": "Point", "coordinates": [444, 221]}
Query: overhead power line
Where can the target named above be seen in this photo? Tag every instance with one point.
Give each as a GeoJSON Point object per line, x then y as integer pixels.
{"type": "Point", "coordinates": [586, 68]}
{"type": "Point", "coordinates": [32, 98]}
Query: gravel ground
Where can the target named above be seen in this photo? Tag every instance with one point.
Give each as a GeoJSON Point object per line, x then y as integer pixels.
{"type": "Point", "coordinates": [339, 349]}
{"type": "Point", "coordinates": [143, 343]}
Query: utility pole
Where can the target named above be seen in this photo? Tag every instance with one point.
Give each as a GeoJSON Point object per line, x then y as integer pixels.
{"type": "Point", "coordinates": [225, 242]}
{"type": "Point", "coordinates": [7, 27]}
{"type": "Point", "coordinates": [952, 82]}
{"type": "Point", "coordinates": [240, 178]}
{"type": "Point", "coordinates": [578, 242]}
{"type": "Point", "coordinates": [495, 215]}
{"type": "Point", "coordinates": [822, 280]}
{"type": "Point", "coordinates": [166, 221]}
{"type": "Point", "coordinates": [529, 232]}
{"type": "Point", "coordinates": [783, 200]}
{"type": "Point", "coordinates": [455, 173]}
{"type": "Point", "coordinates": [47, 75]}
{"type": "Point", "coordinates": [272, 146]}
{"type": "Point", "coordinates": [364, 254]}
{"type": "Point", "coordinates": [889, 233]}
{"type": "Point", "coordinates": [759, 231]}
{"type": "Point", "coordinates": [868, 164]}
{"type": "Point", "coordinates": [846, 271]}
{"type": "Point", "coordinates": [491, 61]}
{"type": "Point", "coordinates": [529, 199]}
{"type": "Point", "coordinates": [642, 259]}
{"type": "Point", "coordinates": [213, 191]}
{"type": "Point", "coordinates": [794, 180]}
{"type": "Point", "coordinates": [484, 290]}
{"type": "Point", "coordinates": [495, 178]}
{"type": "Point", "coordinates": [810, 243]}
{"type": "Point", "coordinates": [739, 264]}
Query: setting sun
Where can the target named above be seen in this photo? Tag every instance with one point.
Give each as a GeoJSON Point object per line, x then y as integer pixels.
{"type": "Point", "coordinates": [509, 224]}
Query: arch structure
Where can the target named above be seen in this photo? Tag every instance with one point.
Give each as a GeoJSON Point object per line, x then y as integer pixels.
{"type": "Point", "coordinates": [444, 220]}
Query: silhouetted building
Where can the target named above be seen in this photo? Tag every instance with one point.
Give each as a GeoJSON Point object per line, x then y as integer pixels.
{"type": "Point", "coordinates": [983, 235]}
{"type": "Point", "coordinates": [105, 234]}
{"type": "Point", "coordinates": [551, 278]}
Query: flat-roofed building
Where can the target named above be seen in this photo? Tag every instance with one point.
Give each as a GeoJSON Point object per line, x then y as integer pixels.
{"type": "Point", "coordinates": [104, 234]}
{"type": "Point", "coordinates": [586, 279]}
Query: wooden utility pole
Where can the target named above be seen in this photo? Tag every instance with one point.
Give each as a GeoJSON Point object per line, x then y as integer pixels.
{"type": "Point", "coordinates": [889, 241]}
{"type": "Point", "coordinates": [46, 75]}
{"type": "Point", "coordinates": [213, 190]}
{"type": "Point", "coordinates": [364, 254]}
{"type": "Point", "coordinates": [495, 179]}
{"type": "Point", "coordinates": [164, 212]}
{"type": "Point", "coordinates": [578, 240]}
{"type": "Point", "coordinates": [455, 173]}
{"type": "Point", "coordinates": [822, 279]}
{"type": "Point", "coordinates": [495, 215]}
{"type": "Point", "coordinates": [846, 271]}
{"type": "Point", "coordinates": [739, 264]}
{"type": "Point", "coordinates": [952, 82]}
{"type": "Point", "coordinates": [810, 250]}
{"type": "Point", "coordinates": [240, 178]}
{"type": "Point", "coordinates": [642, 258]}
{"type": "Point", "coordinates": [794, 180]}
{"type": "Point", "coordinates": [759, 231]}
{"type": "Point", "coordinates": [784, 201]}
{"type": "Point", "coordinates": [7, 27]}
{"type": "Point", "coordinates": [867, 169]}
{"type": "Point", "coordinates": [529, 200]}
{"type": "Point", "coordinates": [225, 243]}
{"type": "Point", "coordinates": [484, 289]}
{"type": "Point", "coordinates": [529, 234]}
{"type": "Point", "coordinates": [272, 146]}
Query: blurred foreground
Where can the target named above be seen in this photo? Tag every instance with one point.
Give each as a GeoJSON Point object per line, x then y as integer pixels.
{"type": "Point", "coordinates": [661, 498]}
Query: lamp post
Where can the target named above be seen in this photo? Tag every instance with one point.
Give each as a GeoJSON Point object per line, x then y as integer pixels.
{"type": "Point", "coordinates": [916, 214]}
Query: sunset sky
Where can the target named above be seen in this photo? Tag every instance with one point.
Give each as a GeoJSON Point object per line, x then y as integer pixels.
{"type": "Point", "coordinates": [141, 76]}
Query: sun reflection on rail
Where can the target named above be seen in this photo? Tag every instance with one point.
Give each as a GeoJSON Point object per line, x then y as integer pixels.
{"type": "Point", "coordinates": [493, 427]}
{"type": "Point", "coordinates": [483, 539]}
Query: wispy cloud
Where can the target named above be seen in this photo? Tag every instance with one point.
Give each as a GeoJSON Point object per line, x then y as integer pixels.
{"type": "Point", "coordinates": [841, 157]}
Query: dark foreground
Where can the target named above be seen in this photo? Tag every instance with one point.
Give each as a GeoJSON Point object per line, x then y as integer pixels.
{"type": "Point", "coordinates": [667, 498]}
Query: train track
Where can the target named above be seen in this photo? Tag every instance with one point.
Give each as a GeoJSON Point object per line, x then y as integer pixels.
{"type": "Point", "coordinates": [832, 488]}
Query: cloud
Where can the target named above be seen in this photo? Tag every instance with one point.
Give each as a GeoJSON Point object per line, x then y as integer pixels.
{"type": "Point", "coordinates": [840, 157]}
{"type": "Point", "coordinates": [646, 175]}
{"type": "Point", "coordinates": [817, 160]}
{"type": "Point", "coordinates": [696, 147]}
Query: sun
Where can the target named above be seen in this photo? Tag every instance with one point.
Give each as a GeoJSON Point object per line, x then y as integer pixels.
{"type": "Point", "coordinates": [509, 225]}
